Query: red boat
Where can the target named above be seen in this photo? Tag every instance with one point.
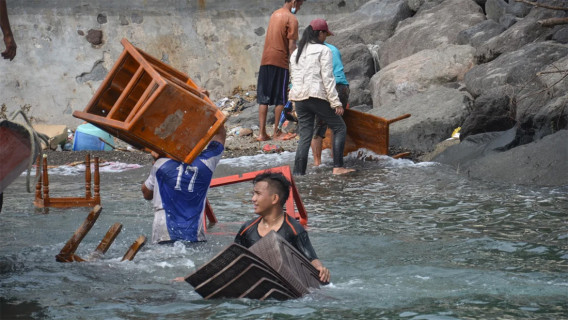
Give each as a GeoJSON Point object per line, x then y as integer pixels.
{"type": "Point", "coordinates": [19, 147]}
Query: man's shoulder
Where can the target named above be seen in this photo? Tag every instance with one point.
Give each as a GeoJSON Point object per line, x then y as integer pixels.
{"type": "Point", "coordinates": [283, 14]}
{"type": "Point", "coordinates": [247, 225]}
{"type": "Point", "coordinates": [295, 224]}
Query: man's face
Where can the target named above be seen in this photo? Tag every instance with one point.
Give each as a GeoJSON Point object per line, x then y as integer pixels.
{"type": "Point", "coordinates": [263, 199]}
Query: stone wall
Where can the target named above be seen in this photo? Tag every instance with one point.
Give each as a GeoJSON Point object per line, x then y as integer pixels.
{"type": "Point", "coordinates": [66, 47]}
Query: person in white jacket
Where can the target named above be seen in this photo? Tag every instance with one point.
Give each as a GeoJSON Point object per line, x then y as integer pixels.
{"type": "Point", "coordinates": [313, 92]}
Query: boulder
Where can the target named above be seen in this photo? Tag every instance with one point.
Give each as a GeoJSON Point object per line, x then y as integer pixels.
{"type": "Point", "coordinates": [518, 9]}
{"type": "Point", "coordinates": [495, 9]}
{"type": "Point", "coordinates": [508, 20]}
{"type": "Point", "coordinates": [436, 112]}
{"type": "Point", "coordinates": [541, 163]}
{"type": "Point", "coordinates": [526, 31]}
{"type": "Point", "coordinates": [561, 35]}
{"type": "Point", "coordinates": [344, 40]}
{"type": "Point", "coordinates": [359, 67]}
{"type": "Point", "coordinates": [541, 106]}
{"type": "Point", "coordinates": [429, 29]}
{"type": "Point", "coordinates": [359, 92]}
{"type": "Point", "coordinates": [249, 118]}
{"type": "Point", "coordinates": [481, 32]}
{"type": "Point", "coordinates": [411, 75]}
{"type": "Point", "coordinates": [513, 69]}
{"type": "Point", "coordinates": [420, 5]}
{"type": "Point", "coordinates": [491, 112]}
{"type": "Point", "coordinates": [373, 21]}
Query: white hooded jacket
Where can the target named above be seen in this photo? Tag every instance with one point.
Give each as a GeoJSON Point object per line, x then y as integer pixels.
{"type": "Point", "coordinates": [312, 76]}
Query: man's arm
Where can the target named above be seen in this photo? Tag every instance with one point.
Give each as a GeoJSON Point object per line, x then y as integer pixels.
{"type": "Point", "coordinates": [9, 41]}
{"type": "Point", "coordinates": [291, 47]}
{"type": "Point", "coordinates": [324, 272]}
{"type": "Point", "coordinates": [220, 136]}
{"type": "Point", "coordinates": [147, 193]}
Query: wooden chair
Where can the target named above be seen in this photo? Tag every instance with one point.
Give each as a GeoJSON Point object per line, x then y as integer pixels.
{"type": "Point", "coordinates": [43, 200]}
{"type": "Point", "coordinates": [149, 104]}
{"type": "Point", "coordinates": [67, 253]}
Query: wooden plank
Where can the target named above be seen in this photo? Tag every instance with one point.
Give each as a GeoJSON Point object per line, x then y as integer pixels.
{"type": "Point", "coordinates": [109, 238]}
{"type": "Point", "coordinates": [134, 248]}
{"type": "Point", "coordinates": [72, 244]}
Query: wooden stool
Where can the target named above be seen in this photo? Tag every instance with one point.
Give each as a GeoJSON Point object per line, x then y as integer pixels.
{"type": "Point", "coordinates": [149, 104]}
{"type": "Point", "coordinates": [43, 200]}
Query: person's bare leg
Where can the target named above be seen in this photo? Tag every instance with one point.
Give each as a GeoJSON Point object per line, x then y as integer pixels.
{"type": "Point", "coordinates": [277, 113]}
{"type": "Point", "coordinates": [262, 113]}
{"type": "Point", "coordinates": [316, 150]}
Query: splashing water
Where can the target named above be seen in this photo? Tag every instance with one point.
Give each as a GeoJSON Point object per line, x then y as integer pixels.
{"type": "Point", "coordinates": [403, 240]}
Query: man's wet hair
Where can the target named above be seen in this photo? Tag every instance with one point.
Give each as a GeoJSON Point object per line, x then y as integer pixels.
{"type": "Point", "coordinates": [278, 183]}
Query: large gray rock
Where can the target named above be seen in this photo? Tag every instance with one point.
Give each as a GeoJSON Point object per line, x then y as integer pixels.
{"type": "Point", "coordinates": [514, 69]}
{"type": "Point", "coordinates": [494, 9]}
{"type": "Point", "coordinates": [436, 112]}
{"type": "Point", "coordinates": [420, 5]}
{"type": "Point", "coordinates": [491, 112]}
{"type": "Point", "coordinates": [481, 32]}
{"type": "Point", "coordinates": [518, 9]}
{"type": "Point", "coordinates": [429, 29]}
{"type": "Point", "coordinates": [542, 163]}
{"type": "Point", "coordinates": [411, 75]}
{"type": "Point", "coordinates": [561, 35]}
{"type": "Point", "coordinates": [359, 67]}
{"type": "Point", "coordinates": [521, 33]}
{"type": "Point", "coordinates": [541, 106]}
{"type": "Point", "coordinates": [374, 21]}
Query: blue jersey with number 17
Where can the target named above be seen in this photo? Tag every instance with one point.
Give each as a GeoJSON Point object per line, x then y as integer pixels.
{"type": "Point", "coordinates": [183, 189]}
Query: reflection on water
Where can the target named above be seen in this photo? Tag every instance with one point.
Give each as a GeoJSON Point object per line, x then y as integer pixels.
{"type": "Point", "coordinates": [403, 240]}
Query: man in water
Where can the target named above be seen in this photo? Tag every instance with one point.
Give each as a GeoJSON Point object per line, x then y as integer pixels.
{"type": "Point", "coordinates": [270, 192]}
{"type": "Point", "coordinates": [179, 191]}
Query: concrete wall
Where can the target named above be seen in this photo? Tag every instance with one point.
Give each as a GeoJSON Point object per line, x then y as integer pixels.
{"type": "Point", "coordinates": [57, 70]}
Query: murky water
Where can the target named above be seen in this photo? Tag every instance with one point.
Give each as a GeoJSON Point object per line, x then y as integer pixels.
{"type": "Point", "coordinates": [402, 240]}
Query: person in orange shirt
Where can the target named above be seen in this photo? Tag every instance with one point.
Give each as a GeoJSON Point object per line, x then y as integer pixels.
{"type": "Point", "coordinates": [273, 75]}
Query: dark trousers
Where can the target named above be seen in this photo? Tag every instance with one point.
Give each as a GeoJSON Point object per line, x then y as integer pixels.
{"type": "Point", "coordinates": [306, 111]}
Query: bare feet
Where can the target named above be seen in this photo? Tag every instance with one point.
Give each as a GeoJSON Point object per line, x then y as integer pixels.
{"type": "Point", "coordinates": [263, 138]}
{"type": "Point", "coordinates": [283, 136]}
{"type": "Point", "coordinates": [342, 170]}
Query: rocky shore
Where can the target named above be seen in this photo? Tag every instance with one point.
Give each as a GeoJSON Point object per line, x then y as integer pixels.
{"type": "Point", "coordinates": [495, 70]}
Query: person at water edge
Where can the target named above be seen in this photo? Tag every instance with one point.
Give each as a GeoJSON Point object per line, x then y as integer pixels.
{"type": "Point", "coordinates": [313, 92]}
{"type": "Point", "coordinates": [10, 51]}
{"type": "Point", "coordinates": [178, 192]}
{"type": "Point", "coordinates": [342, 87]}
{"type": "Point", "coordinates": [273, 77]}
{"type": "Point", "coordinates": [270, 192]}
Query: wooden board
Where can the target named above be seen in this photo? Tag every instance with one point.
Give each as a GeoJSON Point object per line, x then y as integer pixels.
{"type": "Point", "coordinates": [364, 130]}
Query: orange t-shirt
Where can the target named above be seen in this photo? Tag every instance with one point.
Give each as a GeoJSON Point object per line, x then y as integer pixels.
{"type": "Point", "coordinates": [282, 27]}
